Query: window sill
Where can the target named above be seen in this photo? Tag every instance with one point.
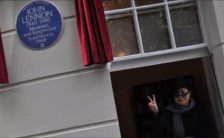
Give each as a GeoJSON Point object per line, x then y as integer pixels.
{"type": "Point", "coordinates": [158, 57]}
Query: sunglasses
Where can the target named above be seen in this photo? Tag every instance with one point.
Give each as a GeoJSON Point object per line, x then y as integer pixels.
{"type": "Point", "coordinates": [182, 95]}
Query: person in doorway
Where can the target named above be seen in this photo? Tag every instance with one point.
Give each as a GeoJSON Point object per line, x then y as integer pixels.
{"type": "Point", "coordinates": [181, 119]}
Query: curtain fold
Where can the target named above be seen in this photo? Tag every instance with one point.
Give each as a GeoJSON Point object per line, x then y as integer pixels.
{"type": "Point", "coordinates": [93, 34]}
{"type": "Point", "coordinates": [3, 68]}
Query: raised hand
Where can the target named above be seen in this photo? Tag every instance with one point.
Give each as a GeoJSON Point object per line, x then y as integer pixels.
{"type": "Point", "coordinates": [152, 104]}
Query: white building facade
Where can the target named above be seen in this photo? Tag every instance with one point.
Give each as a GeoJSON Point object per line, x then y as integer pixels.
{"type": "Point", "coordinates": [51, 94]}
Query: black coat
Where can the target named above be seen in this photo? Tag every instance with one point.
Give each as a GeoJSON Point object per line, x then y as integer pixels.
{"type": "Point", "coordinates": [195, 124]}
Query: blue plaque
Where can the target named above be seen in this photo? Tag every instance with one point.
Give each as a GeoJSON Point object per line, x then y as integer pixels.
{"type": "Point", "coordinates": [39, 24]}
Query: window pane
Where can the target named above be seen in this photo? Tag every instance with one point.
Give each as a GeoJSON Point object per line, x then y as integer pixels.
{"type": "Point", "coordinates": [154, 29]}
{"type": "Point", "coordinates": [122, 35]}
{"type": "Point", "coordinates": [179, 0]}
{"type": "Point", "coordinates": [186, 24]}
{"type": "Point", "coordinates": [146, 2]}
{"type": "Point", "coordinates": [115, 4]}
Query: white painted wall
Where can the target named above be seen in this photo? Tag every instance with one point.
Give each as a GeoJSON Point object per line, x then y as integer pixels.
{"type": "Point", "coordinates": [213, 18]}
{"type": "Point", "coordinates": [50, 93]}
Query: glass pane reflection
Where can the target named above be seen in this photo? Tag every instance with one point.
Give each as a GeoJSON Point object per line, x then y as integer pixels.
{"type": "Point", "coordinates": [154, 29]}
{"type": "Point", "coordinates": [115, 4]}
{"type": "Point", "coordinates": [122, 35]}
{"type": "Point", "coordinates": [186, 24]}
{"type": "Point", "coordinates": [146, 2]}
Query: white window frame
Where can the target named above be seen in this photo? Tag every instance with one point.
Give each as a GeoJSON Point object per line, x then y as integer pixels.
{"type": "Point", "coordinates": [163, 56]}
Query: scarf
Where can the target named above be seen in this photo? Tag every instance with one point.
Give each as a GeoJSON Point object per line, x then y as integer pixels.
{"type": "Point", "coordinates": [177, 110]}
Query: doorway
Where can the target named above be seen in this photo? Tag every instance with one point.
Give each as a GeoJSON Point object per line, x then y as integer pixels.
{"type": "Point", "coordinates": [132, 86]}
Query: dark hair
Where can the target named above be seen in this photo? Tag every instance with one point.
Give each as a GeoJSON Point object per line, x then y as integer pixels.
{"type": "Point", "coordinates": [183, 82]}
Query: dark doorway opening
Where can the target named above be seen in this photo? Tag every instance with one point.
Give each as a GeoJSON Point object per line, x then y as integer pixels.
{"type": "Point", "coordinates": [132, 86]}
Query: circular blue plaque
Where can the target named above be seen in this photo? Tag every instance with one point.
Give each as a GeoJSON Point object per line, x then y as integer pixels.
{"type": "Point", "coordinates": [39, 24]}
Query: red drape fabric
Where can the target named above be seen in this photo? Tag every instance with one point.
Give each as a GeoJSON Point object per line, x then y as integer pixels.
{"type": "Point", "coordinates": [3, 68]}
{"type": "Point", "coordinates": [93, 33]}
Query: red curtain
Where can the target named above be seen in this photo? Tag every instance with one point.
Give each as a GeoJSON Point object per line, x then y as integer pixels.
{"type": "Point", "coordinates": [3, 69]}
{"type": "Point", "coordinates": [93, 34]}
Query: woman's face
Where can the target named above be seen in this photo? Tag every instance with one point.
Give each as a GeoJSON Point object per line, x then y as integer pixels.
{"type": "Point", "coordinates": [182, 97]}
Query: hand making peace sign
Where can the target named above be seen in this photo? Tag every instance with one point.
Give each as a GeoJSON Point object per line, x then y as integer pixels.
{"type": "Point", "coordinates": [152, 104]}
